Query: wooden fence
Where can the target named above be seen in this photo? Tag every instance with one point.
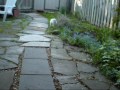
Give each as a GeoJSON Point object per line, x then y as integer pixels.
{"type": "Point", "coordinates": [97, 12]}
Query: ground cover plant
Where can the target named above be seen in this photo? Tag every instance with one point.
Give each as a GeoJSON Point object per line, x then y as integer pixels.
{"type": "Point", "coordinates": [102, 43]}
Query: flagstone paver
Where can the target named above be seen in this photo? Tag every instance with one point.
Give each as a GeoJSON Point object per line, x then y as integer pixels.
{"type": "Point", "coordinates": [4, 64]}
{"type": "Point", "coordinates": [59, 54]}
{"type": "Point", "coordinates": [37, 44]}
{"type": "Point", "coordinates": [64, 67]}
{"type": "Point", "coordinates": [36, 82]}
{"type": "Point", "coordinates": [73, 87]}
{"type": "Point", "coordinates": [2, 50]}
{"type": "Point", "coordinates": [35, 53]}
{"type": "Point", "coordinates": [6, 79]}
{"type": "Point", "coordinates": [8, 43]}
{"type": "Point", "coordinates": [83, 67]}
{"type": "Point", "coordinates": [33, 38]}
{"type": "Point", "coordinates": [37, 66]}
{"type": "Point", "coordinates": [33, 32]}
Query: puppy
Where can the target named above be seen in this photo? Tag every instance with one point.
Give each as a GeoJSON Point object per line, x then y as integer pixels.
{"type": "Point", "coordinates": [53, 22]}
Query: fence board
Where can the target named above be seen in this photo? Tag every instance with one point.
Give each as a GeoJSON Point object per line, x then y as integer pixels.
{"type": "Point", "coordinates": [97, 12]}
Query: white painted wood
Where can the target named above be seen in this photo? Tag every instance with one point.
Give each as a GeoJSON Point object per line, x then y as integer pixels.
{"type": "Point", "coordinates": [39, 5]}
{"type": "Point", "coordinates": [52, 4]}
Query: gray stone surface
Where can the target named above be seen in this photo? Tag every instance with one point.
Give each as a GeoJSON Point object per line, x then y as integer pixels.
{"type": "Point", "coordinates": [96, 85]}
{"type": "Point", "coordinates": [35, 66]}
{"type": "Point", "coordinates": [64, 67]}
{"type": "Point", "coordinates": [39, 25]}
{"type": "Point", "coordinates": [36, 28]}
{"type": "Point", "coordinates": [73, 87]}
{"type": "Point", "coordinates": [33, 32]}
{"type": "Point", "coordinates": [80, 56]}
{"type": "Point", "coordinates": [40, 20]}
{"type": "Point", "coordinates": [8, 39]}
{"type": "Point", "coordinates": [67, 79]}
{"type": "Point", "coordinates": [37, 44]}
{"type": "Point", "coordinates": [86, 76]}
{"type": "Point", "coordinates": [15, 50]}
{"type": "Point", "coordinates": [6, 79]}
{"type": "Point", "coordinates": [11, 58]}
{"type": "Point", "coordinates": [56, 44]}
{"type": "Point", "coordinates": [35, 53]}
{"type": "Point", "coordinates": [83, 67]}
{"type": "Point", "coordinates": [33, 38]}
{"type": "Point", "coordinates": [36, 82]}
{"type": "Point", "coordinates": [59, 54]}
{"type": "Point", "coordinates": [6, 65]}
{"type": "Point", "coordinates": [8, 43]}
{"type": "Point", "coordinates": [2, 50]}
{"type": "Point", "coordinates": [73, 48]}
{"type": "Point", "coordinates": [114, 88]}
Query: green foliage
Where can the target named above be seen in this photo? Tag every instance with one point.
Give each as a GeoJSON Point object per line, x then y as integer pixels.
{"type": "Point", "coordinates": [108, 59]}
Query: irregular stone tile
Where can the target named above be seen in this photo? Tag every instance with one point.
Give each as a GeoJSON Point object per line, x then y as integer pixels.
{"type": "Point", "coordinates": [86, 76]}
{"type": "Point", "coordinates": [83, 67]}
{"type": "Point", "coordinates": [40, 20]}
{"type": "Point", "coordinates": [50, 36]}
{"type": "Point", "coordinates": [64, 67]}
{"type": "Point", "coordinates": [40, 25]}
{"type": "Point", "coordinates": [33, 38]}
{"type": "Point", "coordinates": [36, 82]}
{"type": "Point", "coordinates": [8, 43]}
{"type": "Point", "coordinates": [73, 48]}
{"type": "Point", "coordinates": [2, 50]}
{"type": "Point", "coordinates": [33, 32]}
{"type": "Point", "coordinates": [39, 66]}
{"type": "Point", "coordinates": [100, 77]}
{"type": "Point", "coordinates": [6, 79]}
{"type": "Point", "coordinates": [55, 44]}
{"type": "Point", "coordinates": [15, 50]}
{"type": "Point", "coordinates": [37, 44]}
{"type": "Point", "coordinates": [2, 35]}
{"type": "Point", "coordinates": [21, 34]}
{"type": "Point", "coordinates": [80, 56]}
{"type": "Point", "coordinates": [36, 28]}
{"type": "Point", "coordinates": [67, 79]}
{"type": "Point", "coordinates": [12, 58]}
{"type": "Point", "coordinates": [6, 65]}
{"type": "Point", "coordinates": [35, 53]}
{"type": "Point", "coordinates": [96, 85]}
{"type": "Point", "coordinates": [60, 54]}
{"type": "Point", "coordinates": [73, 87]}
{"type": "Point", "coordinates": [8, 39]}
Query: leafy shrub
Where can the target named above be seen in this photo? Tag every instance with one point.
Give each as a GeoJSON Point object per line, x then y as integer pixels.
{"type": "Point", "coordinates": [108, 58]}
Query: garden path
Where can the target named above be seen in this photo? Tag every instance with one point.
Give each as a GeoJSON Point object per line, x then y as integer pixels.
{"type": "Point", "coordinates": [46, 62]}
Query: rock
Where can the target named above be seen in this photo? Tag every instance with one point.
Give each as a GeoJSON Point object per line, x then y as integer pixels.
{"type": "Point", "coordinates": [55, 44]}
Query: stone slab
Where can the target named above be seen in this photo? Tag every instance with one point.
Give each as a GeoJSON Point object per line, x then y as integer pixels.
{"type": "Point", "coordinates": [33, 38]}
{"type": "Point", "coordinates": [8, 43]}
{"type": "Point", "coordinates": [35, 66]}
{"type": "Point", "coordinates": [83, 67]}
{"type": "Point", "coordinates": [73, 87]}
{"type": "Point", "coordinates": [35, 53]}
{"type": "Point", "coordinates": [67, 79]}
{"type": "Point", "coordinates": [39, 25]}
{"type": "Point", "coordinates": [60, 54]}
{"type": "Point", "coordinates": [6, 65]}
{"type": "Point", "coordinates": [33, 32]}
{"type": "Point", "coordinates": [8, 39]}
{"type": "Point", "coordinates": [15, 50]}
{"type": "Point", "coordinates": [96, 85]}
{"type": "Point", "coordinates": [6, 79]}
{"type": "Point", "coordinates": [55, 44]}
{"type": "Point", "coordinates": [36, 82]}
{"type": "Point", "coordinates": [80, 56]}
{"type": "Point", "coordinates": [40, 20]}
{"type": "Point", "coordinates": [37, 44]}
{"type": "Point", "coordinates": [64, 67]}
{"type": "Point", "coordinates": [2, 50]}
{"type": "Point", "coordinates": [11, 58]}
